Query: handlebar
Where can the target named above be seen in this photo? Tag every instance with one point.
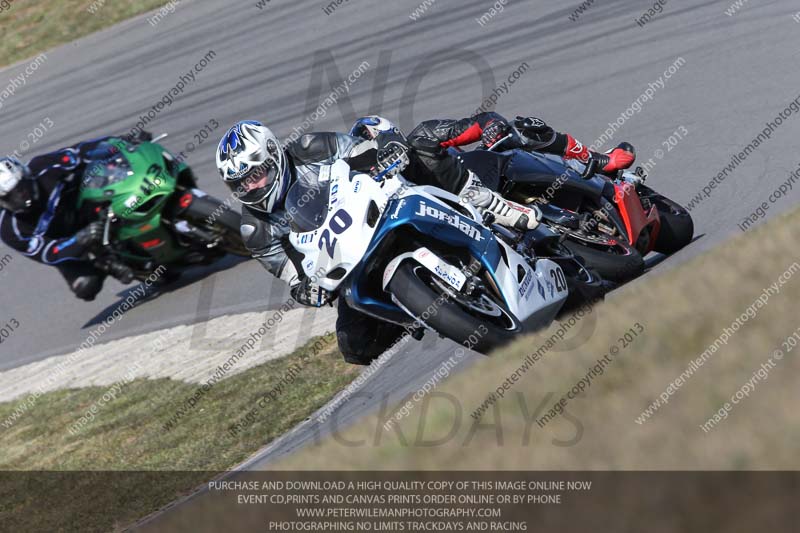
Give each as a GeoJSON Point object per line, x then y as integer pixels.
{"type": "Point", "coordinates": [379, 177]}
{"type": "Point", "coordinates": [501, 141]}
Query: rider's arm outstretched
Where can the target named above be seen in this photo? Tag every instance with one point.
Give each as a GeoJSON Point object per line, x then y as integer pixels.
{"type": "Point", "coordinates": [43, 249]}
{"type": "Point", "coordinates": [529, 133]}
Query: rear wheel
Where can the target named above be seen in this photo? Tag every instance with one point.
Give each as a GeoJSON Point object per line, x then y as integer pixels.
{"type": "Point", "coordinates": [614, 262]}
{"type": "Point", "coordinates": [476, 320]}
{"type": "Point", "coordinates": [210, 214]}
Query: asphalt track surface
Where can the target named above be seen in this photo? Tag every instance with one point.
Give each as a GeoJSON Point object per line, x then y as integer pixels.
{"type": "Point", "coordinates": [737, 73]}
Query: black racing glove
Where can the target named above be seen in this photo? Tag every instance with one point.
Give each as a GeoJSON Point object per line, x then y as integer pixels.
{"type": "Point", "coordinates": [494, 130]}
{"type": "Point", "coordinates": [533, 128]}
{"type": "Point", "coordinates": [122, 272]}
{"type": "Point", "coordinates": [141, 137]}
{"type": "Point", "coordinates": [90, 235]}
{"type": "Point", "coordinates": [393, 155]}
{"type": "Point", "coordinates": [429, 147]}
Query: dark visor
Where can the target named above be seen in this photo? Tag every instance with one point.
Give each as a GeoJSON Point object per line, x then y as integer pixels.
{"type": "Point", "coordinates": [254, 186]}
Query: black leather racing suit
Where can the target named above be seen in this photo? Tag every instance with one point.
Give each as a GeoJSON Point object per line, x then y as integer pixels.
{"type": "Point", "coordinates": [44, 232]}
{"type": "Point", "coordinates": [432, 163]}
{"type": "Point", "coordinates": [432, 138]}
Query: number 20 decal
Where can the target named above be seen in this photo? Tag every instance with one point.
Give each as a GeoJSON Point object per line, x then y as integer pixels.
{"type": "Point", "coordinates": [558, 277]}
{"type": "Point", "coordinates": [339, 224]}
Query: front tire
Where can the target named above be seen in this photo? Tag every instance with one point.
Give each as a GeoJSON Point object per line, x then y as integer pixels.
{"type": "Point", "coordinates": [677, 230]}
{"type": "Point", "coordinates": [416, 290]}
{"type": "Point", "coordinates": [677, 227]}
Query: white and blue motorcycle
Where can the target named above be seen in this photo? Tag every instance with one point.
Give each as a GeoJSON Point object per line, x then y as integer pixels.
{"type": "Point", "coordinates": [414, 255]}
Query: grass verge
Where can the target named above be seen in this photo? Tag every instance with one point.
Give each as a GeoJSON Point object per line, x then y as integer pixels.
{"type": "Point", "coordinates": [682, 314]}
{"type": "Point", "coordinates": [32, 27]}
{"type": "Point", "coordinates": [128, 434]}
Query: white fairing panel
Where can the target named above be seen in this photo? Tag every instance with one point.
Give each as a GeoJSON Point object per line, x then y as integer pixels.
{"type": "Point", "coordinates": [528, 291]}
{"type": "Point", "coordinates": [534, 294]}
{"type": "Point", "coordinates": [342, 240]}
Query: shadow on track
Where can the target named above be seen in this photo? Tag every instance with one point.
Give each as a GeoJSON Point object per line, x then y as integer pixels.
{"type": "Point", "coordinates": [187, 277]}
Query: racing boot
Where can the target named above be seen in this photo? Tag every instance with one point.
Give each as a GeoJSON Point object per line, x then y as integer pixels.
{"type": "Point", "coordinates": [506, 213]}
{"type": "Point", "coordinates": [619, 158]}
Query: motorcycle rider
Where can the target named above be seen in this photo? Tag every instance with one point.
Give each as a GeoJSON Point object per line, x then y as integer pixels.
{"type": "Point", "coordinates": [38, 217]}
{"type": "Point", "coordinates": [260, 171]}
{"type": "Point", "coordinates": [431, 138]}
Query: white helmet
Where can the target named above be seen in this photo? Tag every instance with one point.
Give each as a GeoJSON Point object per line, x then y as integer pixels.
{"type": "Point", "coordinates": [371, 126]}
{"type": "Point", "coordinates": [17, 190]}
{"type": "Point", "coordinates": [252, 164]}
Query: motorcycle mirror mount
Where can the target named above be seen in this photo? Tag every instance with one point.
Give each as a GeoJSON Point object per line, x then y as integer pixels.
{"type": "Point", "coordinates": [159, 137]}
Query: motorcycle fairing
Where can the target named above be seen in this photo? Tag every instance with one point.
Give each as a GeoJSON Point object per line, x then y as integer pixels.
{"type": "Point", "coordinates": [634, 217]}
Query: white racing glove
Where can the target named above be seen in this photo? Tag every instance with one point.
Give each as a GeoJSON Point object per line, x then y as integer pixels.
{"type": "Point", "coordinates": [506, 213]}
{"type": "Point", "coordinates": [303, 289]}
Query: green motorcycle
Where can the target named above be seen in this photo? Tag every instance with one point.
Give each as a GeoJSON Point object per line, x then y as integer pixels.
{"type": "Point", "coordinates": [155, 216]}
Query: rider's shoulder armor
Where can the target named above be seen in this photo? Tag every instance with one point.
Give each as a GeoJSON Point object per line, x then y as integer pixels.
{"type": "Point", "coordinates": [324, 147]}
{"type": "Point", "coordinates": [314, 148]}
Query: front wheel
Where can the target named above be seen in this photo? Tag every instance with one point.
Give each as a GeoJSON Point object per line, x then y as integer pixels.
{"type": "Point", "coordinates": [474, 320]}
{"type": "Point", "coordinates": [677, 227]}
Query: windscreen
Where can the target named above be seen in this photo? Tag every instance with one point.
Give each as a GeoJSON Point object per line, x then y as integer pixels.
{"type": "Point", "coordinates": [108, 166]}
{"type": "Point", "coordinates": [307, 205]}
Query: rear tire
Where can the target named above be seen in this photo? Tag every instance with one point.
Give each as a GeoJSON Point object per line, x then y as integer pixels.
{"type": "Point", "coordinates": [450, 318]}
{"type": "Point", "coordinates": [610, 266]}
{"type": "Point", "coordinates": [209, 213]}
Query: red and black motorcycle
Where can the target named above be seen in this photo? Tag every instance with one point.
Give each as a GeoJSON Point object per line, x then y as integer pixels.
{"type": "Point", "coordinates": [612, 223]}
